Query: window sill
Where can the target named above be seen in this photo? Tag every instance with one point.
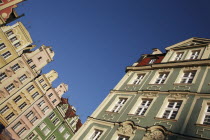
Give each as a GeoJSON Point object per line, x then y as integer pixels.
{"type": "Point", "coordinates": [156, 84]}
{"type": "Point", "coordinates": [112, 112]}
{"type": "Point", "coordinates": [140, 116]}
{"type": "Point", "coordinates": [183, 83]}
{"type": "Point", "coordinates": [172, 120]}
{"type": "Point", "coordinates": [203, 125]}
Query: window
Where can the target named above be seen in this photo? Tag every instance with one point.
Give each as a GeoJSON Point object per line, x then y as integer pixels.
{"type": "Point", "coordinates": [41, 103]}
{"type": "Point", "coordinates": [138, 79]}
{"type": "Point", "coordinates": [194, 54]}
{"type": "Point", "coordinates": [30, 88]}
{"type": "Point", "coordinates": [4, 109]}
{"type": "Point", "coordinates": [15, 67]}
{"type": "Point", "coordinates": [31, 136]}
{"type": "Point", "coordinates": [50, 95]}
{"type": "Point", "coordinates": [51, 115]}
{"type": "Point", "coordinates": [119, 104]}
{"type": "Point", "coordinates": [56, 121]}
{"type": "Point", "coordinates": [45, 109]}
{"type": "Point", "coordinates": [52, 138]}
{"type": "Point", "coordinates": [60, 129]}
{"type": "Point", "coordinates": [42, 80]}
{"type": "Point", "coordinates": [16, 125]}
{"type": "Point", "coordinates": [54, 101]}
{"type": "Point", "coordinates": [42, 126]}
{"type": "Point", "coordinates": [44, 85]}
{"type": "Point", "coordinates": [172, 109]}
{"type": "Point", "coordinates": [143, 106]}
{"type": "Point", "coordinates": [72, 122]}
{"type": "Point", "coordinates": [46, 131]}
{"type": "Point", "coordinates": [13, 39]}
{"type": "Point", "coordinates": [2, 76]}
{"type": "Point", "coordinates": [121, 137]}
{"type": "Point", "coordinates": [10, 116]}
{"type": "Point", "coordinates": [152, 61]}
{"type": "Point", "coordinates": [29, 61]}
{"type": "Point", "coordinates": [10, 87]}
{"type": "Point", "coordinates": [17, 44]}
{"type": "Point", "coordinates": [29, 114]}
{"type": "Point", "coordinates": [22, 105]}
{"type": "Point", "coordinates": [23, 77]}
{"type": "Point", "coordinates": [161, 77]}
{"type": "Point", "coordinates": [21, 131]}
{"type": "Point", "coordinates": [2, 46]}
{"type": "Point", "coordinates": [178, 56]}
{"type": "Point", "coordinates": [39, 58]}
{"type": "Point", "coordinates": [66, 135]}
{"type": "Point", "coordinates": [34, 95]}
{"type": "Point", "coordinates": [207, 115]}
{"type": "Point", "coordinates": [34, 119]}
{"type": "Point", "coordinates": [96, 134]}
{"type": "Point", "coordinates": [17, 99]}
{"type": "Point", "coordinates": [9, 33]}
{"type": "Point", "coordinates": [188, 77]}
{"type": "Point", "coordinates": [33, 66]}
{"type": "Point", "coordinates": [6, 54]}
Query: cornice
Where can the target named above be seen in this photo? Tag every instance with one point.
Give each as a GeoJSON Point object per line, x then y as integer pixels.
{"type": "Point", "coordinates": [205, 62]}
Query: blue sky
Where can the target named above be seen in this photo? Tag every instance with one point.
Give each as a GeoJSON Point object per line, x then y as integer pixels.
{"type": "Point", "coordinates": [94, 40]}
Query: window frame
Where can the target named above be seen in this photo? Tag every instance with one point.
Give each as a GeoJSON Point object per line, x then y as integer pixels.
{"type": "Point", "coordinates": [202, 114]}
{"type": "Point", "coordinates": [172, 96]}
{"type": "Point", "coordinates": [91, 131]}
{"type": "Point", "coordinates": [116, 99]}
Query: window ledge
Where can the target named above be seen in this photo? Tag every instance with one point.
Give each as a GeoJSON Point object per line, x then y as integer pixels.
{"type": "Point", "coordinates": [183, 83]}
{"type": "Point", "coordinates": [172, 120]}
{"type": "Point", "coordinates": [140, 116]}
{"type": "Point", "coordinates": [112, 112]}
{"type": "Point", "coordinates": [156, 84]}
{"type": "Point", "coordinates": [132, 84]}
{"type": "Point", "coordinates": [203, 125]}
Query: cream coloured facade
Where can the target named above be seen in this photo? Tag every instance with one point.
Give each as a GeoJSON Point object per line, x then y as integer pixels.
{"type": "Point", "coordinates": [13, 41]}
{"type": "Point", "coordinates": [39, 110]}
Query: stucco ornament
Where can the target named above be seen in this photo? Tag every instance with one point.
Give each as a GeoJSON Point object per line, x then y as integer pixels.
{"type": "Point", "coordinates": [155, 135]}
{"type": "Point", "coordinates": [178, 96]}
{"type": "Point", "coordinates": [126, 129]}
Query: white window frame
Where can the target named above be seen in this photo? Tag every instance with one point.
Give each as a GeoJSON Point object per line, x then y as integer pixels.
{"type": "Point", "coordinates": [56, 121]}
{"type": "Point", "coordinates": [11, 115]}
{"type": "Point", "coordinates": [138, 79]}
{"type": "Point", "coordinates": [42, 126]}
{"type": "Point", "coordinates": [15, 67]}
{"type": "Point", "coordinates": [23, 77]}
{"type": "Point", "coordinates": [6, 54]}
{"type": "Point", "coordinates": [178, 56]}
{"type": "Point", "coordinates": [142, 108]}
{"type": "Point", "coordinates": [44, 131]}
{"type": "Point", "coordinates": [35, 95]}
{"type": "Point", "coordinates": [96, 134]}
{"type": "Point", "coordinates": [2, 46]}
{"type": "Point", "coordinates": [190, 76]}
{"type": "Point", "coordinates": [172, 109]}
{"type": "Point", "coordinates": [165, 104]}
{"type": "Point", "coordinates": [30, 88]}
{"type": "Point", "coordinates": [91, 131]}
{"type": "Point", "coordinates": [61, 129]}
{"type": "Point", "coordinates": [152, 61]}
{"type": "Point", "coordinates": [4, 109]}
{"type": "Point", "coordinates": [119, 104]}
{"type": "Point", "coordinates": [21, 131]}
{"type": "Point", "coordinates": [17, 98]}
{"type": "Point", "coordinates": [203, 112]}
{"type": "Point", "coordinates": [66, 135]}
{"type": "Point", "coordinates": [194, 54]}
{"type": "Point", "coordinates": [3, 75]}
{"type": "Point", "coordinates": [161, 78]}
{"type": "Point", "coordinates": [52, 115]}
{"type": "Point", "coordinates": [23, 105]}
{"type": "Point", "coordinates": [17, 125]}
{"type": "Point", "coordinates": [10, 87]}
{"type": "Point", "coordinates": [123, 137]}
{"type": "Point", "coordinates": [116, 100]}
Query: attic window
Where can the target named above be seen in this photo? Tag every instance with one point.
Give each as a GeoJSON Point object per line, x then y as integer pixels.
{"type": "Point", "coordinates": [152, 61]}
{"type": "Point", "coordinates": [39, 58]}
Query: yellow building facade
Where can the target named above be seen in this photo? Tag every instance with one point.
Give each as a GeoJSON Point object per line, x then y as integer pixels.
{"type": "Point", "coordinates": [17, 103]}
{"type": "Point", "coordinates": [13, 41]}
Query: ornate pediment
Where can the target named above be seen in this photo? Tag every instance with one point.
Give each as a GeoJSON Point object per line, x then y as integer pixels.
{"type": "Point", "coordinates": [127, 128]}
{"type": "Point", "coordinates": [192, 42]}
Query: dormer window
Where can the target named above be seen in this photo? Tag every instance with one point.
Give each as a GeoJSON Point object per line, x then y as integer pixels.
{"type": "Point", "coordinates": [194, 54]}
{"type": "Point", "coordinates": [10, 32]}
{"type": "Point", "coordinates": [178, 56]}
{"type": "Point", "coordinates": [152, 61]}
{"type": "Point", "coordinates": [13, 39]}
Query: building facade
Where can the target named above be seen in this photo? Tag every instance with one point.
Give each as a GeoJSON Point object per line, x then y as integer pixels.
{"type": "Point", "coordinates": [162, 96]}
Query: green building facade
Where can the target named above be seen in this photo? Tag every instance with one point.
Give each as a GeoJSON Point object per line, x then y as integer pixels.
{"type": "Point", "coordinates": [57, 125]}
{"type": "Point", "coordinates": [162, 96]}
